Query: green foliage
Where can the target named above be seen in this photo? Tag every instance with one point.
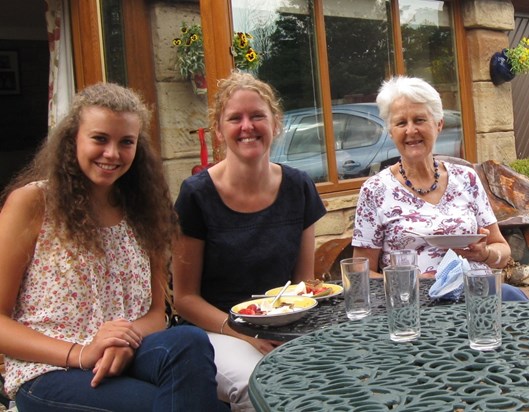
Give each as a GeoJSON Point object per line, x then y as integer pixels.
{"type": "Point", "coordinates": [244, 56]}
{"type": "Point", "coordinates": [520, 166]}
{"type": "Point", "coordinates": [190, 51]}
{"type": "Point", "coordinates": [518, 57]}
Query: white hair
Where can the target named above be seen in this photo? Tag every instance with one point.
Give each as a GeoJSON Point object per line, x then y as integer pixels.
{"type": "Point", "coordinates": [415, 90]}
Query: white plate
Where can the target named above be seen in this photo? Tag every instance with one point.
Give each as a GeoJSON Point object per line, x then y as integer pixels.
{"type": "Point", "coordinates": [303, 304]}
{"type": "Point", "coordinates": [452, 241]}
{"type": "Point", "coordinates": [335, 290]}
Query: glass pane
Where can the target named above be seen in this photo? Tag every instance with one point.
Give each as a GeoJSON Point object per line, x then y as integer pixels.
{"type": "Point", "coordinates": [359, 48]}
{"type": "Point", "coordinates": [361, 56]}
{"type": "Point", "coordinates": [283, 34]}
{"type": "Point", "coordinates": [429, 52]}
{"type": "Point", "coordinates": [113, 41]}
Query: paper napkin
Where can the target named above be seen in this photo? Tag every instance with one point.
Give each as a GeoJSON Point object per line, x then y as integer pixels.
{"type": "Point", "coordinates": [449, 277]}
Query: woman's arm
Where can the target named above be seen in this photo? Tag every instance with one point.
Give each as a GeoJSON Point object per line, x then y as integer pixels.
{"type": "Point", "coordinates": [492, 250]}
{"type": "Point", "coordinates": [373, 255]}
{"type": "Point", "coordinates": [188, 255]}
{"type": "Point", "coordinates": [304, 269]}
{"type": "Point", "coordinates": [20, 223]}
{"type": "Point", "coordinates": [154, 319]}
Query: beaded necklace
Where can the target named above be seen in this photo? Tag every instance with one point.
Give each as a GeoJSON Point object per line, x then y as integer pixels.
{"type": "Point", "coordinates": [408, 182]}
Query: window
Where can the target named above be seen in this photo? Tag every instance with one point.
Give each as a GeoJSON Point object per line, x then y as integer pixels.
{"type": "Point", "coordinates": [327, 59]}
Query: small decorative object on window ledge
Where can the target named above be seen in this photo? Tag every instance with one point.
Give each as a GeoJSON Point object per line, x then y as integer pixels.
{"type": "Point", "coordinates": [505, 65]}
{"type": "Point", "coordinates": [190, 54]}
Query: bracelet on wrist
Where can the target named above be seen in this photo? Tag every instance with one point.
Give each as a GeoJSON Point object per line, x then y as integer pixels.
{"type": "Point", "coordinates": [487, 248]}
{"type": "Point", "coordinates": [497, 261]}
{"type": "Point", "coordinates": [222, 326]}
{"type": "Point", "coordinates": [68, 355]}
{"type": "Point", "coordinates": [81, 359]}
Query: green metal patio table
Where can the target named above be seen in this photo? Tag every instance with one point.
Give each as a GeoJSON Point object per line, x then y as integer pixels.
{"type": "Point", "coordinates": [354, 366]}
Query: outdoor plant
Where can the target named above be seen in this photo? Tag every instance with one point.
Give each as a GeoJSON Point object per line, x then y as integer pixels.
{"type": "Point", "coordinates": [518, 57]}
{"type": "Point", "coordinates": [190, 51]}
{"type": "Point", "coordinates": [245, 57]}
{"type": "Point", "coordinates": [520, 166]}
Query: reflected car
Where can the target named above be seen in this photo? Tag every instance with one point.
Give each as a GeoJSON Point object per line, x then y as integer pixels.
{"type": "Point", "coordinates": [362, 142]}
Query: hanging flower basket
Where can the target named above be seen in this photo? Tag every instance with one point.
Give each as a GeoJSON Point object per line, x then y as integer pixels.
{"type": "Point", "coordinates": [500, 68]}
{"type": "Point", "coordinates": [510, 62]}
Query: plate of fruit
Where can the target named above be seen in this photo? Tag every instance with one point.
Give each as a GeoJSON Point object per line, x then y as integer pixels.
{"type": "Point", "coordinates": [287, 309]}
{"type": "Point", "coordinates": [310, 288]}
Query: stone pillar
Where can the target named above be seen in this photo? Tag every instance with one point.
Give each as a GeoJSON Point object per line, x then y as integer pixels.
{"type": "Point", "coordinates": [180, 110]}
{"type": "Point", "coordinates": [486, 23]}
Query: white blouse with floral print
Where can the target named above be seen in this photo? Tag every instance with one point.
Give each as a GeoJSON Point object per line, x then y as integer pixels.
{"type": "Point", "coordinates": [67, 295]}
{"type": "Point", "coordinates": [386, 209]}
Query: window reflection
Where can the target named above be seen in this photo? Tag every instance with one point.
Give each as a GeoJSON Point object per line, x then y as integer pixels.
{"type": "Point", "coordinates": [359, 47]}
{"type": "Point", "coordinates": [284, 35]}
{"type": "Point", "coordinates": [360, 42]}
{"type": "Point", "coordinates": [428, 46]}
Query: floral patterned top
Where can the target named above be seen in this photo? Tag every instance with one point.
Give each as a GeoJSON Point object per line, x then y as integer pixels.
{"type": "Point", "coordinates": [67, 293]}
{"type": "Point", "coordinates": [386, 208]}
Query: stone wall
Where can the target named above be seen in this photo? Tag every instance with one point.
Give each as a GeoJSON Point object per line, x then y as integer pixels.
{"type": "Point", "coordinates": [486, 23]}
{"type": "Point", "coordinates": [180, 109]}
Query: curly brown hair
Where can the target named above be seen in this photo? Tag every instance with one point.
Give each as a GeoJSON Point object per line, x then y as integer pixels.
{"type": "Point", "coordinates": [142, 191]}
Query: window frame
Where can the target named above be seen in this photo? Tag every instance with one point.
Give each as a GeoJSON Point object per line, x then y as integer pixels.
{"type": "Point", "coordinates": [219, 63]}
{"type": "Point", "coordinates": [89, 61]}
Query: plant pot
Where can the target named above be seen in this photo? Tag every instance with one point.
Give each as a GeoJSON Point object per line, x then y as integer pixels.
{"type": "Point", "coordinates": [500, 68]}
{"type": "Point", "coordinates": [199, 84]}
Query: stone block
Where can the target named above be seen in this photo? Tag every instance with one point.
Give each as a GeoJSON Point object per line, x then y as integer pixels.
{"type": "Point", "coordinates": [180, 111]}
{"type": "Point", "coordinates": [166, 21]}
{"type": "Point", "coordinates": [490, 14]}
{"type": "Point", "coordinates": [333, 223]}
{"type": "Point", "coordinates": [498, 146]}
{"type": "Point", "coordinates": [341, 202]}
{"type": "Point", "coordinates": [492, 107]}
{"type": "Point", "coordinates": [176, 171]}
{"type": "Point", "coordinates": [481, 45]}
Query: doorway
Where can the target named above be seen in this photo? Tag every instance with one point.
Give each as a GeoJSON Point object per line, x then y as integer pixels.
{"type": "Point", "coordinates": [24, 64]}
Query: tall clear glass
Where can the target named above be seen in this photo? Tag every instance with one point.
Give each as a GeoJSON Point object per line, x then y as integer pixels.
{"type": "Point", "coordinates": [483, 300]}
{"type": "Point", "coordinates": [401, 287]}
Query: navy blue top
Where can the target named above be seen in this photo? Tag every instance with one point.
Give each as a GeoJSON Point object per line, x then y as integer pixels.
{"type": "Point", "coordinates": [247, 253]}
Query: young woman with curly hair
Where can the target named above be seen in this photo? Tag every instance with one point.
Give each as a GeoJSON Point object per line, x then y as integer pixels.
{"type": "Point", "coordinates": [85, 234]}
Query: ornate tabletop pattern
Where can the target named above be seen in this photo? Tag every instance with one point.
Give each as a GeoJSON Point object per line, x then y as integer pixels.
{"type": "Point", "coordinates": [354, 366]}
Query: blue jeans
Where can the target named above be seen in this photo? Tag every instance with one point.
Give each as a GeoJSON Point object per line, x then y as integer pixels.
{"type": "Point", "coordinates": [511, 293]}
{"type": "Point", "coordinates": [173, 370]}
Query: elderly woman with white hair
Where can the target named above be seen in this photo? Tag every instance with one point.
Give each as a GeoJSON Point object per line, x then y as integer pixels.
{"type": "Point", "coordinates": [423, 194]}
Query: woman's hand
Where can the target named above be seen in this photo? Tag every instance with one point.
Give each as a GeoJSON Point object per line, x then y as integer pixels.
{"type": "Point", "coordinates": [262, 345]}
{"type": "Point", "coordinates": [116, 333]}
{"type": "Point", "coordinates": [479, 251]}
{"type": "Point", "coordinates": [112, 363]}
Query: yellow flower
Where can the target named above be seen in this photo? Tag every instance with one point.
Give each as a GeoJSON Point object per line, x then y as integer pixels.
{"type": "Point", "coordinates": [251, 55]}
{"type": "Point", "coordinates": [190, 52]}
{"type": "Point", "coordinates": [518, 57]}
{"type": "Point", "coordinates": [244, 55]}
